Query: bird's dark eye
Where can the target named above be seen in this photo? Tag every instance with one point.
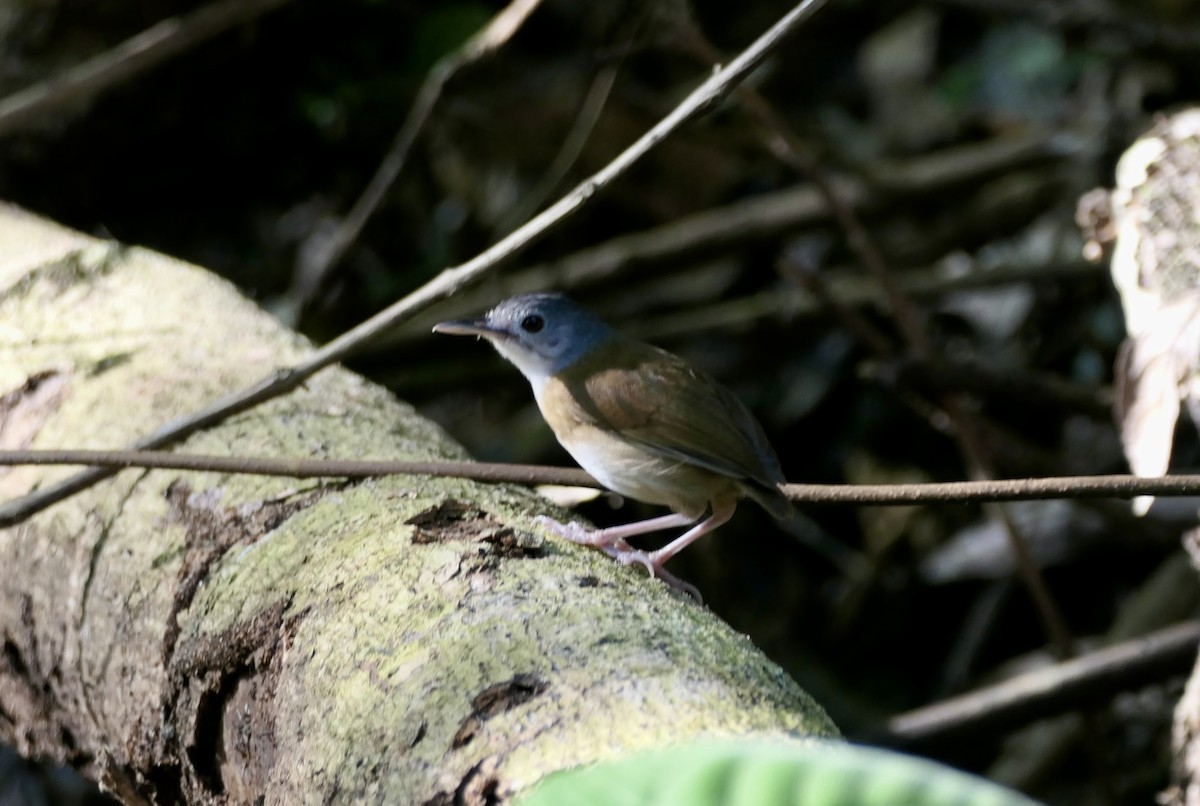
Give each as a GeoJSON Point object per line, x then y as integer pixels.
{"type": "Point", "coordinates": [532, 323]}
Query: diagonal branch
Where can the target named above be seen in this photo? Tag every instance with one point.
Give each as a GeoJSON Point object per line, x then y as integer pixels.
{"type": "Point", "coordinates": [699, 101]}
{"type": "Point", "coordinates": [911, 326]}
{"type": "Point", "coordinates": [135, 55]}
{"type": "Point", "coordinates": [315, 262]}
{"type": "Point", "coordinates": [1046, 692]}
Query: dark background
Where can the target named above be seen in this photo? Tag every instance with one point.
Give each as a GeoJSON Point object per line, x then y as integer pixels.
{"type": "Point", "coordinates": [239, 153]}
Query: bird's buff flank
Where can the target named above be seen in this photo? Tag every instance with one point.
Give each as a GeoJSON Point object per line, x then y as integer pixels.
{"type": "Point", "coordinates": [641, 420]}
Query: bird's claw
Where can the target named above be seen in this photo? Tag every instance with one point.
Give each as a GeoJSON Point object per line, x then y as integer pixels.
{"type": "Point", "coordinates": [586, 536]}
{"type": "Point", "coordinates": [620, 550]}
{"type": "Point", "coordinates": [575, 532]}
{"type": "Point", "coordinates": [629, 555]}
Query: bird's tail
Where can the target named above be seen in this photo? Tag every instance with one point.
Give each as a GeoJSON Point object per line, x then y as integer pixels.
{"type": "Point", "coordinates": [771, 499]}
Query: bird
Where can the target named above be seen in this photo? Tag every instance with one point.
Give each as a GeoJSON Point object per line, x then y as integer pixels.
{"type": "Point", "coordinates": [641, 420]}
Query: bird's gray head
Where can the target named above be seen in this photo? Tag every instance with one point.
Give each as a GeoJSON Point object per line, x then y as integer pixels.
{"type": "Point", "coordinates": [541, 334]}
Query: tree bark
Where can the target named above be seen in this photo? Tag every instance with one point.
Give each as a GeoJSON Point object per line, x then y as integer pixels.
{"type": "Point", "coordinates": [205, 638]}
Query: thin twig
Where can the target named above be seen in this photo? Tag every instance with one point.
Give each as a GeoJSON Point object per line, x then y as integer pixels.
{"type": "Point", "coordinates": [301, 468]}
{"type": "Point", "coordinates": [789, 150]}
{"type": "Point", "coordinates": [911, 325]}
{"type": "Point", "coordinates": [856, 324]}
{"type": "Point", "coordinates": [135, 55]}
{"type": "Point", "coordinates": [572, 146]}
{"type": "Point", "coordinates": [867, 334]}
{"type": "Point", "coordinates": [771, 215]}
{"type": "Point", "coordinates": [785, 147]}
{"type": "Point", "coordinates": [316, 261]}
{"type": "Point", "coordinates": [700, 100]}
{"type": "Point", "coordinates": [850, 289]}
{"type": "Point", "coordinates": [1030, 388]}
{"type": "Point", "coordinates": [866, 494]}
{"type": "Point", "coordinates": [1073, 684]}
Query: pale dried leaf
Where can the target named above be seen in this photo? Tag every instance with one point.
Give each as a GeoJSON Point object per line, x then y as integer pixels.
{"type": "Point", "coordinates": [568, 497]}
{"type": "Point", "coordinates": [1155, 369]}
{"type": "Point", "coordinates": [1149, 407]}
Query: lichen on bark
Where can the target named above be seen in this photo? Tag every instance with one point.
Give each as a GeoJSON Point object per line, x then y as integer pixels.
{"type": "Point", "coordinates": [201, 637]}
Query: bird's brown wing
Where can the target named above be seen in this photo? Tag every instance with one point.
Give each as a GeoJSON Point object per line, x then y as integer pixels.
{"type": "Point", "coordinates": [654, 398]}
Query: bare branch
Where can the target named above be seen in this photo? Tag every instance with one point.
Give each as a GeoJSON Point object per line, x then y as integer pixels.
{"type": "Point", "coordinates": [861, 494]}
{"type": "Point", "coordinates": [1046, 692]}
{"type": "Point", "coordinates": [572, 146]}
{"type": "Point", "coordinates": [135, 55]}
{"type": "Point", "coordinates": [299, 468]}
{"type": "Point", "coordinates": [316, 261]}
{"type": "Point", "coordinates": [788, 149]}
{"type": "Point", "coordinates": [716, 87]}
{"type": "Point", "coordinates": [771, 215]}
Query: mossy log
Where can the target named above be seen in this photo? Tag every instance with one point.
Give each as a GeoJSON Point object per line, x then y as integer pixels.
{"type": "Point", "coordinates": [204, 638]}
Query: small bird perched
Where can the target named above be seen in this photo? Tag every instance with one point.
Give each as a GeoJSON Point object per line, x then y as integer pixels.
{"type": "Point", "coordinates": [640, 420]}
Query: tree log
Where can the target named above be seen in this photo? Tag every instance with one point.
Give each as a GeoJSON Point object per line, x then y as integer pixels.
{"type": "Point", "coordinates": [207, 638]}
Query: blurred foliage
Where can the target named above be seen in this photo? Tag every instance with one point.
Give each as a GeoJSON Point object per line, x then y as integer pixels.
{"type": "Point", "coordinates": [759, 773]}
{"type": "Point", "coordinates": [239, 153]}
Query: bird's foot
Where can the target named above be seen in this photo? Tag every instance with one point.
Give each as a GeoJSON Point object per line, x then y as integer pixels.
{"type": "Point", "coordinates": [620, 550]}
{"type": "Point", "coordinates": [627, 555]}
{"type": "Point", "coordinates": [586, 536]}
{"type": "Point", "coordinates": [583, 535]}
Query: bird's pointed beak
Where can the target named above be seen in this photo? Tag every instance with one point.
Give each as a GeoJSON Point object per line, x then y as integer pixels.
{"type": "Point", "coordinates": [467, 327]}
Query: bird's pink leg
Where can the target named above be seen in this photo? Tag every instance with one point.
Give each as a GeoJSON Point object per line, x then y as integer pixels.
{"type": "Point", "coordinates": [612, 540]}
{"type": "Point", "coordinates": [654, 560]}
{"type": "Point", "coordinates": [614, 536]}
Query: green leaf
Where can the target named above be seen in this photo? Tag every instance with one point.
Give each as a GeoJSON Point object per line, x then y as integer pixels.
{"type": "Point", "coordinates": [759, 772]}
